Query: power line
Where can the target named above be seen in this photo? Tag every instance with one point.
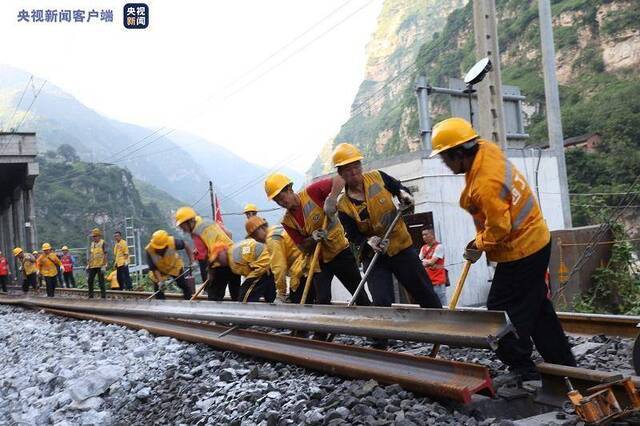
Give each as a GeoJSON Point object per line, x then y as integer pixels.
{"type": "Point", "coordinates": [19, 102]}
{"type": "Point", "coordinates": [26, 114]}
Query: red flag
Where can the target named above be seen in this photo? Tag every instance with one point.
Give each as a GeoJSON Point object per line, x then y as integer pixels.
{"type": "Point", "coordinates": [218, 211]}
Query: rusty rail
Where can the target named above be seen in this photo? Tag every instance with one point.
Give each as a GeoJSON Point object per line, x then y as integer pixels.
{"type": "Point", "coordinates": [455, 328]}
{"type": "Point", "coordinates": [433, 377]}
{"type": "Point", "coordinates": [554, 389]}
{"type": "Point", "coordinates": [595, 324]}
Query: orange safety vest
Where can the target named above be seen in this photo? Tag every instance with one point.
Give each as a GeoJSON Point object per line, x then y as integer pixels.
{"type": "Point", "coordinates": [437, 273]}
{"type": "Point", "coordinates": [67, 262]}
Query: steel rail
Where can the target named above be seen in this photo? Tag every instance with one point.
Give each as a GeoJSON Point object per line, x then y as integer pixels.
{"type": "Point", "coordinates": [554, 389]}
{"type": "Point", "coordinates": [433, 377]}
{"type": "Point", "coordinates": [479, 329]}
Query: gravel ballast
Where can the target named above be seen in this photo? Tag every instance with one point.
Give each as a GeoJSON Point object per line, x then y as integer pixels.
{"type": "Point", "coordinates": [61, 371]}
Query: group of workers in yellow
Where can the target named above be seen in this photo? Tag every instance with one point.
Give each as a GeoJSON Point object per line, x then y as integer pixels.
{"type": "Point", "coordinates": [346, 216]}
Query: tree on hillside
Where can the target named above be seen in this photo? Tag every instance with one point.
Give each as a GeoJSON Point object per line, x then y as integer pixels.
{"type": "Point", "coordinates": [68, 152]}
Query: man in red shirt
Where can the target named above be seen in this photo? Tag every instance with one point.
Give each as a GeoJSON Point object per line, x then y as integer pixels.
{"type": "Point", "coordinates": [4, 272]}
{"type": "Point", "coordinates": [432, 256]}
{"type": "Point", "coordinates": [67, 265]}
{"type": "Point", "coordinates": [304, 220]}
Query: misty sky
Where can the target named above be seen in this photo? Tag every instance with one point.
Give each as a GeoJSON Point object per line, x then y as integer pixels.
{"type": "Point", "coordinates": [187, 70]}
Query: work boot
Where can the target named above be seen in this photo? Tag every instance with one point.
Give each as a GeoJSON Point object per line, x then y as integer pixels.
{"type": "Point", "coordinates": [515, 378]}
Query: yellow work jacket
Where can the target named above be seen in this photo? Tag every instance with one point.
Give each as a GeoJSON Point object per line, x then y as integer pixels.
{"type": "Point", "coordinates": [48, 264]}
{"type": "Point", "coordinates": [506, 214]}
{"type": "Point", "coordinates": [249, 259]}
{"type": "Point", "coordinates": [379, 204]}
{"type": "Point", "coordinates": [313, 217]}
{"type": "Point", "coordinates": [121, 253]}
{"type": "Point", "coordinates": [286, 259]}
{"type": "Point", "coordinates": [28, 264]}
{"type": "Point", "coordinates": [168, 264]}
{"type": "Point", "coordinates": [210, 233]}
{"type": "Point", "coordinates": [97, 256]}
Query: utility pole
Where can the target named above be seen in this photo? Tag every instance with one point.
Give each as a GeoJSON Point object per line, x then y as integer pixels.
{"type": "Point", "coordinates": [552, 103]}
{"type": "Point", "coordinates": [422, 93]}
{"type": "Point", "coordinates": [213, 202]}
{"type": "Point", "coordinates": [490, 122]}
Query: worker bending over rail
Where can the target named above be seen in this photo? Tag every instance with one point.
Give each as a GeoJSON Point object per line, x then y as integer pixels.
{"type": "Point", "coordinates": [304, 220]}
{"type": "Point", "coordinates": [366, 210]}
{"type": "Point", "coordinates": [97, 263]}
{"type": "Point", "coordinates": [286, 259]}
{"type": "Point", "coordinates": [512, 232]}
{"type": "Point", "coordinates": [28, 268]}
{"type": "Point", "coordinates": [166, 264]}
{"type": "Point", "coordinates": [205, 235]}
{"type": "Point", "coordinates": [48, 265]}
{"type": "Point", "coordinates": [249, 259]}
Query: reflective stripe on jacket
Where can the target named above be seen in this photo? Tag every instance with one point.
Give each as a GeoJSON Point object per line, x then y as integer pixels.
{"type": "Point", "coordinates": [381, 212]}
{"type": "Point", "coordinates": [121, 253]}
{"type": "Point", "coordinates": [313, 218]}
{"type": "Point", "coordinates": [97, 258]}
{"type": "Point", "coordinates": [209, 233]}
{"type": "Point", "coordinates": [168, 264]}
{"type": "Point", "coordinates": [249, 258]}
{"type": "Point", "coordinates": [506, 214]}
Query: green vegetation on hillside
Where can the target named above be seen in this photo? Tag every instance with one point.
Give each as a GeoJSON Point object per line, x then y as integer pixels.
{"type": "Point", "coordinates": [72, 197]}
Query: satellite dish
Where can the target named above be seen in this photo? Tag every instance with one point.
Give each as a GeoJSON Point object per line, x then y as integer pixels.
{"type": "Point", "coordinates": [478, 71]}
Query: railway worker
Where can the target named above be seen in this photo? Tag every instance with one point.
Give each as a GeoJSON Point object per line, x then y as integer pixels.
{"type": "Point", "coordinates": [28, 268]}
{"type": "Point", "coordinates": [4, 272]}
{"type": "Point", "coordinates": [97, 262]}
{"type": "Point", "coordinates": [511, 231]}
{"type": "Point", "coordinates": [165, 263]}
{"type": "Point", "coordinates": [250, 259]}
{"type": "Point", "coordinates": [39, 277]}
{"type": "Point", "coordinates": [204, 235]}
{"type": "Point", "coordinates": [286, 259]}
{"type": "Point", "coordinates": [121, 261]}
{"type": "Point", "coordinates": [432, 257]}
{"type": "Point", "coordinates": [303, 221]}
{"type": "Point", "coordinates": [366, 210]}
{"type": "Point", "coordinates": [250, 210]}
{"type": "Point", "coordinates": [67, 266]}
{"type": "Point", "coordinates": [49, 264]}
{"type": "Point", "coordinates": [60, 276]}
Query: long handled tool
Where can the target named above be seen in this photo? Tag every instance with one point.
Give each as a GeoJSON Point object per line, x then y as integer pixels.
{"type": "Point", "coordinates": [202, 287]}
{"type": "Point", "coordinates": [312, 266]}
{"type": "Point", "coordinates": [454, 299]}
{"type": "Point", "coordinates": [373, 262]}
{"type": "Point", "coordinates": [186, 271]}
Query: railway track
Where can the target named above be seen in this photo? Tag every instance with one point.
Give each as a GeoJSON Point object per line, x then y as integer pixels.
{"type": "Point", "coordinates": [437, 378]}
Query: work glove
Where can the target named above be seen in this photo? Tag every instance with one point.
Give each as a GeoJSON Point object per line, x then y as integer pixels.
{"type": "Point", "coordinates": [330, 206]}
{"type": "Point", "coordinates": [162, 285]}
{"type": "Point", "coordinates": [471, 252]}
{"type": "Point", "coordinates": [378, 244]}
{"type": "Point", "coordinates": [319, 235]}
{"type": "Point", "coordinates": [62, 269]}
{"type": "Point", "coordinates": [281, 299]}
{"type": "Point", "coordinates": [406, 199]}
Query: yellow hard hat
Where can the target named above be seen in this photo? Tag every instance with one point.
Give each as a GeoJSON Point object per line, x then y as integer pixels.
{"type": "Point", "coordinates": [344, 154]}
{"type": "Point", "coordinates": [35, 252]}
{"type": "Point", "coordinates": [95, 232]}
{"type": "Point", "coordinates": [46, 246]}
{"type": "Point", "coordinates": [184, 214]}
{"type": "Point", "coordinates": [250, 208]}
{"type": "Point", "coordinates": [159, 239]}
{"type": "Point", "coordinates": [16, 251]}
{"type": "Point", "coordinates": [275, 183]}
{"type": "Point", "coordinates": [450, 133]}
{"type": "Point", "coordinates": [65, 248]}
{"type": "Point", "coordinates": [253, 223]}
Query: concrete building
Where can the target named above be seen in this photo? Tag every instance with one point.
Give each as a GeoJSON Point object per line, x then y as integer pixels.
{"type": "Point", "coordinates": [18, 172]}
{"type": "Point", "coordinates": [436, 191]}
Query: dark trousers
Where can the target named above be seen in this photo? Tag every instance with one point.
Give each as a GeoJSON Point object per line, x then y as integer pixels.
{"type": "Point", "coordinates": [252, 290]}
{"type": "Point", "coordinates": [30, 280]}
{"type": "Point", "coordinates": [519, 288]}
{"type": "Point", "coordinates": [92, 276]}
{"type": "Point", "coordinates": [344, 267]}
{"type": "Point", "coordinates": [51, 285]}
{"type": "Point", "coordinates": [204, 269]}
{"type": "Point", "coordinates": [181, 282]}
{"type": "Point", "coordinates": [295, 296]}
{"type": "Point", "coordinates": [60, 279]}
{"type": "Point", "coordinates": [124, 279]}
{"type": "Point", "coordinates": [69, 279]}
{"type": "Point", "coordinates": [4, 279]}
{"type": "Point", "coordinates": [219, 279]}
{"type": "Point", "coordinates": [408, 269]}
